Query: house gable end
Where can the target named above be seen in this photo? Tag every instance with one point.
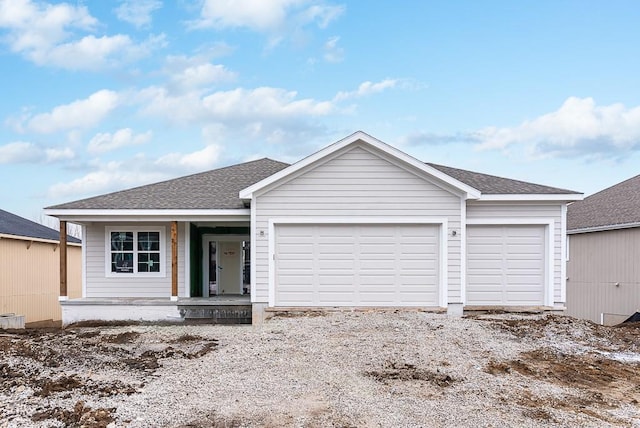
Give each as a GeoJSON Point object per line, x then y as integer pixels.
{"type": "Point", "coordinates": [372, 145]}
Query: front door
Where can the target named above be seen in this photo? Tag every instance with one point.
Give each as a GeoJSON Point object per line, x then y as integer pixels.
{"type": "Point", "coordinates": [222, 267]}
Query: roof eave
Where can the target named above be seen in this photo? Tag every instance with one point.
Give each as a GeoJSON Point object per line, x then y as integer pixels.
{"type": "Point", "coordinates": [34, 239]}
{"type": "Point", "coordinates": [139, 215]}
{"type": "Point", "coordinates": [560, 197]}
{"type": "Point", "coordinates": [603, 228]}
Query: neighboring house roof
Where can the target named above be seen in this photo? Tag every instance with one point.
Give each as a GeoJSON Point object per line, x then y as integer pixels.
{"type": "Point", "coordinates": [490, 184]}
{"type": "Point", "coordinates": [11, 224]}
{"type": "Point", "coordinates": [616, 207]}
{"type": "Point", "coordinates": [216, 189]}
{"type": "Point", "coordinates": [220, 188]}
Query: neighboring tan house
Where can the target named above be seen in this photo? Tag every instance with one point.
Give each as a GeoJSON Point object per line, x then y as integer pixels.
{"type": "Point", "coordinates": [30, 269]}
{"type": "Point", "coordinates": [603, 267]}
{"type": "Point", "coordinates": [357, 224]}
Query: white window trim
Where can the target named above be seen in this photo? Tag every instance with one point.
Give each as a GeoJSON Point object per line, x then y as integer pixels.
{"type": "Point", "coordinates": [135, 230]}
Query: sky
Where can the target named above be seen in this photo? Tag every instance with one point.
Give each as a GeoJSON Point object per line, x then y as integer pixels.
{"type": "Point", "coordinates": [98, 96]}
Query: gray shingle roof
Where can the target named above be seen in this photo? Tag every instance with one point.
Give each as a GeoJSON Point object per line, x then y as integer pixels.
{"type": "Point", "coordinates": [11, 224]}
{"type": "Point", "coordinates": [216, 189]}
{"type": "Point", "coordinates": [490, 184]}
{"type": "Point", "coordinates": [219, 188]}
{"type": "Point", "coordinates": [616, 205]}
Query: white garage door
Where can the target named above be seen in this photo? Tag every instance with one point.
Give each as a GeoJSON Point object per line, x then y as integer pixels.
{"type": "Point", "coordinates": [505, 265]}
{"type": "Point", "coordinates": [356, 265]}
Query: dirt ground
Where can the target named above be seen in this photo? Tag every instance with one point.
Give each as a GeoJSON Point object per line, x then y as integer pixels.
{"type": "Point", "coordinates": [602, 364]}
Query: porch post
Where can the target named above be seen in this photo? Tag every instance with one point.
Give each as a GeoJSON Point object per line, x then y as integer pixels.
{"type": "Point", "coordinates": [63, 260]}
{"type": "Point", "coordinates": [174, 260]}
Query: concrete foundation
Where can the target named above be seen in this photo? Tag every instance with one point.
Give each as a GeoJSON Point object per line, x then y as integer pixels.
{"type": "Point", "coordinates": [11, 321]}
{"type": "Point", "coordinates": [455, 310]}
{"type": "Point", "coordinates": [258, 313]}
{"type": "Point", "coordinates": [79, 310]}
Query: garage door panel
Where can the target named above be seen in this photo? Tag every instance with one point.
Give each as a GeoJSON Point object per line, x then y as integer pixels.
{"type": "Point", "coordinates": [505, 265]}
{"type": "Point", "coordinates": [358, 264]}
{"type": "Point", "coordinates": [417, 264]}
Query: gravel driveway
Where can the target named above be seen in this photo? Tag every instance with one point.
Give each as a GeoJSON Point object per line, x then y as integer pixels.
{"type": "Point", "coordinates": [342, 369]}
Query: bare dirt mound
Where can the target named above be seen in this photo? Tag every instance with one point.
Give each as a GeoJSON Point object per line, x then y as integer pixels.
{"type": "Point", "coordinates": [62, 364]}
{"type": "Point", "coordinates": [604, 367]}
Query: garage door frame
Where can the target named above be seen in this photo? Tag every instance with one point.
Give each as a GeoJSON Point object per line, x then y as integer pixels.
{"type": "Point", "coordinates": [442, 222]}
{"type": "Point", "coordinates": [549, 224]}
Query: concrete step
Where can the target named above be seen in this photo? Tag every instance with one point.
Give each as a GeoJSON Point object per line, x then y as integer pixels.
{"type": "Point", "coordinates": [216, 314]}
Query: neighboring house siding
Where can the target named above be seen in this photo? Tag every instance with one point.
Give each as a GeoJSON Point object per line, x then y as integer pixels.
{"type": "Point", "coordinates": [597, 262]}
{"type": "Point", "coordinates": [356, 183]}
{"type": "Point", "coordinates": [30, 278]}
{"type": "Point", "coordinates": [99, 285]}
{"type": "Point", "coordinates": [527, 210]}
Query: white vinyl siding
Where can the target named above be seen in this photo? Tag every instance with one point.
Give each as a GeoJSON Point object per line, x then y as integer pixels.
{"type": "Point", "coordinates": [98, 284]}
{"type": "Point", "coordinates": [537, 211]}
{"type": "Point", "coordinates": [506, 265]}
{"type": "Point", "coordinates": [356, 265]}
{"type": "Point", "coordinates": [355, 183]}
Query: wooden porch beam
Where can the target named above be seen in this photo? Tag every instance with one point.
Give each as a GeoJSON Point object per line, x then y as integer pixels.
{"type": "Point", "coordinates": [174, 260]}
{"type": "Point", "coordinates": [63, 260]}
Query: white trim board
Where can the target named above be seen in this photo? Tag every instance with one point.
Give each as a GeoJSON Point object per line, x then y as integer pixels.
{"type": "Point", "coordinates": [533, 197]}
{"type": "Point", "coordinates": [42, 240]}
{"type": "Point", "coordinates": [603, 228]}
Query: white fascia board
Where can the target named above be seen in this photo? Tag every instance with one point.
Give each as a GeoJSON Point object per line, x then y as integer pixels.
{"type": "Point", "coordinates": [566, 197]}
{"type": "Point", "coordinates": [493, 221]}
{"type": "Point", "coordinates": [603, 228]}
{"type": "Point", "coordinates": [31, 239]}
{"type": "Point", "coordinates": [90, 215]}
{"type": "Point", "coordinates": [359, 220]}
{"type": "Point", "coordinates": [471, 193]}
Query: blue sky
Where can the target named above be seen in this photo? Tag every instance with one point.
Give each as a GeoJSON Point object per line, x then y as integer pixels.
{"type": "Point", "coordinates": [98, 96]}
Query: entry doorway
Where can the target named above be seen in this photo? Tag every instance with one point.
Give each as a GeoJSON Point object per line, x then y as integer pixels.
{"type": "Point", "coordinates": [225, 266]}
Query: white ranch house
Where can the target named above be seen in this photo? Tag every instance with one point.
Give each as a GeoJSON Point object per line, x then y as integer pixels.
{"type": "Point", "coordinates": [357, 224]}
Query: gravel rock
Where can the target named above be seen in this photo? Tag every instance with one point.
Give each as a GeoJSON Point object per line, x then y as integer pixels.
{"type": "Point", "coordinates": [347, 369]}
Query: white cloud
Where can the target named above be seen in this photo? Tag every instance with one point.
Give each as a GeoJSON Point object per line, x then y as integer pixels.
{"type": "Point", "coordinates": [258, 15]}
{"type": "Point", "coordinates": [56, 155]}
{"type": "Point", "coordinates": [235, 106]}
{"type": "Point", "coordinates": [19, 152]}
{"type": "Point", "coordinates": [332, 52]}
{"type": "Point", "coordinates": [46, 34]}
{"type": "Point", "coordinates": [139, 170]}
{"type": "Point", "coordinates": [263, 102]}
{"type": "Point", "coordinates": [186, 73]}
{"type": "Point", "coordinates": [273, 17]}
{"type": "Point", "coordinates": [34, 26]}
{"type": "Point", "coordinates": [25, 152]}
{"type": "Point", "coordinates": [96, 53]}
{"type": "Point", "coordinates": [197, 161]}
{"type": "Point", "coordinates": [137, 12]}
{"type": "Point", "coordinates": [578, 128]}
{"type": "Point", "coordinates": [78, 114]}
{"type": "Point", "coordinates": [367, 88]}
{"type": "Point", "coordinates": [105, 142]}
{"type": "Point", "coordinates": [322, 14]}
